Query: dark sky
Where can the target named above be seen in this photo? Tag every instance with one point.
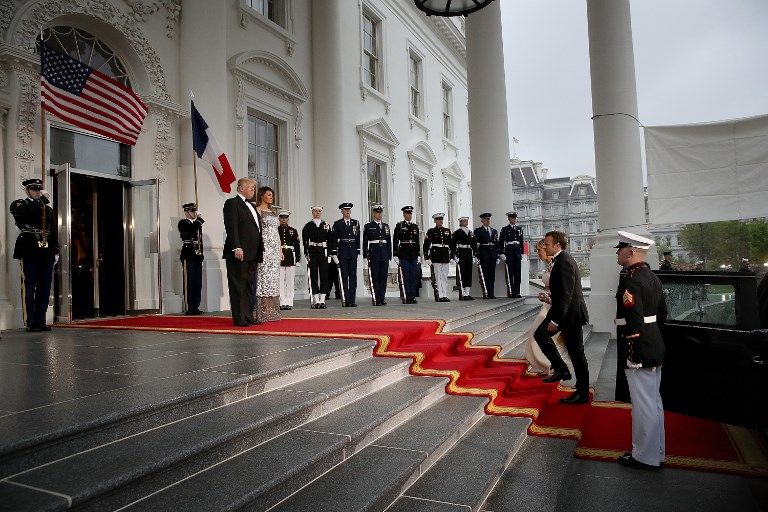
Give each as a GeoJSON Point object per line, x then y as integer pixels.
{"type": "Point", "coordinates": [695, 60]}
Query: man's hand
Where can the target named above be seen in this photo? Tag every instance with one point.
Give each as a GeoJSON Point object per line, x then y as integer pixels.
{"type": "Point", "coordinates": [239, 254]}
{"type": "Point", "coordinates": [335, 259]}
{"type": "Point", "coordinates": [396, 260]}
{"type": "Point", "coordinates": [502, 257]}
{"type": "Point", "coordinates": [551, 327]}
{"type": "Point", "coordinates": [475, 261]}
{"type": "Point", "coordinates": [544, 297]}
{"type": "Point", "coordinates": [55, 259]}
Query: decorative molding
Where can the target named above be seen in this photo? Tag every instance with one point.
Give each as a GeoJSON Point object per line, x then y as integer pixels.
{"type": "Point", "coordinates": [6, 15]}
{"type": "Point", "coordinates": [29, 94]}
{"type": "Point", "coordinates": [144, 8]}
{"type": "Point", "coordinates": [450, 34]}
{"type": "Point", "coordinates": [3, 113]}
{"type": "Point", "coordinates": [44, 11]}
{"type": "Point", "coordinates": [165, 143]}
{"type": "Point", "coordinates": [4, 80]}
{"type": "Point", "coordinates": [378, 130]}
{"type": "Point", "coordinates": [240, 104]}
{"type": "Point", "coordinates": [298, 118]}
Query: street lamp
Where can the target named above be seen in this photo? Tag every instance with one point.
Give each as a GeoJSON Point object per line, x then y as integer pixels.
{"type": "Point", "coordinates": [450, 7]}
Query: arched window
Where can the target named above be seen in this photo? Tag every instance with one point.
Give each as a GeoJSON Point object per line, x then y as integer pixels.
{"type": "Point", "coordinates": [88, 49]}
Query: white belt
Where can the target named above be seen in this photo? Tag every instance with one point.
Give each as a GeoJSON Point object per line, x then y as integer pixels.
{"type": "Point", "coordinates": [463, 246]}
{"type": "Point", "coordinates": [318, 244]}
{"type": "Point", "coordinates": [376, 242]}
{"type": "Point", "coordinates": [440, 245]}
{"type": "Point", "coordinates": [289, 247]}
{"type": "Point", "coordinates": [407, 242]}
{"type": "Point", "coordinates": [348, 240]}
{"type": "Point", "coordinates": [488, 243]}
{"type": "Point", "coordinates": [646, 319]}
{"type": "Point", "coordinates": [513, 242]}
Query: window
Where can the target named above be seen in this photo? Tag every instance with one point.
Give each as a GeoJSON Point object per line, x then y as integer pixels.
{"type": "Point", "coordinates": [701, 303]}
{"type": "Point", "coordinates": [556, 194]}
{"type": "Point", "coordinates": [414, 79]}
{"type": "Point", "coordinates": [374, 184]}
{"type": "Point", "coordinates": [88, 49]}
{"type": "Point", "coordinates": [88, 152]}
{"type": "Point", "coordinates": [578, 245]}
{"type": "Point", "coordinates": [263, 154]}
{"type": "Point", "coordinates": [270, 9]}
{"type": "Point", "coordinates": [420, 204]}
{"type": "Point", "coordinates": [582, 191]}
{"type": "Point", "coordinates": [447, 112]}
{"type": "Point", "coordinates": [371, 51]}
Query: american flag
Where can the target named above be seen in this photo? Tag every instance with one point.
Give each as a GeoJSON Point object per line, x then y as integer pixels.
{"type": "Point", "coordinates": [80, 95]}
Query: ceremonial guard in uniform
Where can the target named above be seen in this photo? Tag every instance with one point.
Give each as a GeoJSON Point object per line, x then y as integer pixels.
{"type": "Point", "coordinates": [406, 247]}
{"type": "Point", "coordinates": [290, 245]}
{"type": "Point", "coordinates": [37, 249]}
{"type": "Point", "coordinates": [437, 249]}
{"type": "Point", "coordinates": [463, 251]}
{"type": "Point", "coordinates": [641, 311]}
{"type": "Point", "coordinates": [191, 233]}
{"type": "Point", "coordinates": [377, 250]}
{"type": "Point", "coordinates": [511, 252]}
{"type": "Point", "coordinates": [666, 263]}
{"type": "Point", "coordinates": [487, 252]}
{"type": "Point", "coordinates": [346, 235]}
{"type": "Point", "coordinates": [318, 242]}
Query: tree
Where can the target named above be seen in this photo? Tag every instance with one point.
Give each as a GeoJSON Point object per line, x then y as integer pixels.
{"type": "Point", "coordinates": [726, 242]}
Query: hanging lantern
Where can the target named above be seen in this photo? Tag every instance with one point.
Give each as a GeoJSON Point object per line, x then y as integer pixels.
{"type": "Point", "coordinates": [450, 7]}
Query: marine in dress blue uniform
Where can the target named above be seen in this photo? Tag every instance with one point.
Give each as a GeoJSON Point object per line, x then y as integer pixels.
{"type": "Point", "coordinates": [406, 248]}
{"type": "Point", "coordinates": [346, 234]}
{"type": "Point", "coordinates": [191, 234]}
{"type": "Point", "coordinates": [437, 249]}
{"type": "Point", "coordinates": [641, 311]}
{"type": "Point", "coordinates": [377, 250]}
{"type": "Point", "coordinates": [511, 250]}
{"type": "Point", "coordinates": [487, 252]}
{"type": "Point", "coordinates": [38, 251]}
{"type": "Point", "coordinates": [463, 249]}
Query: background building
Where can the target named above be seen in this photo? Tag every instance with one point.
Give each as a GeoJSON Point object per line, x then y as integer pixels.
{"type": "Point", "coordinates": [546, 204]}
{"type": "Point", "coordinates": [324, 101]}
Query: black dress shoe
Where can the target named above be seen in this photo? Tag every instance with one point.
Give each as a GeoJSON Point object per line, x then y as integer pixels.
{"type": "Point", "coordinates": [353, 305]}
{"type": "Point", "coordinates": [575, 398]}
{"type": "Point", "coordinates": [242, 324]}
{"type": "Point", "coordinates": [322, 305]}
{"type": "Point", "coordinates": [469, 297]}
{"type": "Point", "coordinates": [289, 308]}
{"type": "Point", "coordinates": [629, 461]}
{"type": "Point", "coordinates": [491, 297]}
{"type": "Point", "coordinates": [518, 296]}
{"type": "Point", "coordinates": [557, 377]}
{"type": "Point", "coordinates": [382, 303]}
{"type": "Point", "coordinates": [629, 454]}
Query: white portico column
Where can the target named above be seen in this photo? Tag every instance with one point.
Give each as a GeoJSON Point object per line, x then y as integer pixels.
{"type": "Point", "coordinates": [617, 149]}
{"type": "Point", "coordinates": [488, 130]}
{"type": "Point", "coordinates": [9, 230]}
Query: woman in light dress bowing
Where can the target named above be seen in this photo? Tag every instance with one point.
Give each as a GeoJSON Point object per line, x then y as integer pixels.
{"type": "Point", "coordinates": [268, 271]}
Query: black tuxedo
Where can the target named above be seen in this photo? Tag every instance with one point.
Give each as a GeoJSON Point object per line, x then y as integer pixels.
{"type": "Point", "coordinates": [569, 312]}
{"type": "Point", "coordinates": [242, 232]}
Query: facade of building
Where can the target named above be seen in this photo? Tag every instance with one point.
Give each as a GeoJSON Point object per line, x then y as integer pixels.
{"type": "Point", "coordinates": [325, 102]}
{"type": "Point", "coordinates": [563, 204]}
{"type": "Point", "coordinates": [667, 236]}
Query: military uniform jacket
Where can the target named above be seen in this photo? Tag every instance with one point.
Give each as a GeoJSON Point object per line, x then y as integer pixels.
{"type": "Point", "coordinates": [666, 265]}
{"type": "Point", "coordinates": [406, 240]}
{"type": "Point", "coordinates": [191, 233]}
{"type": "Point", "coordinates": [28, 215]}
{"type": "Point", "coordinates": [639, 298]}
{"type": "Point", "coordinates": [289, 242]}
{"type": "Point", "coordinates": [377, 242]}
{"type": "Point", "coordinates": [437, 245]}
{"type": "Point", "coordinates": [346, 238]}
{"type": "Point", "coordinates": [486, 242]}
{"type": "Point", "coordinates": [318, 240]}
{"type": "Point", "coordinates": [511, 241]}
{"type": "Point", "coordinates": [464, 244]}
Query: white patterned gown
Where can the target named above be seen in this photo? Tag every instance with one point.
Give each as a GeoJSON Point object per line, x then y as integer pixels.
{"type": "Point", "coordinates": [268, 271]}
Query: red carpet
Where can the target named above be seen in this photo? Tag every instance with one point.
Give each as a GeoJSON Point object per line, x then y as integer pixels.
{"type": "Point", "coordinates": [602, 428]}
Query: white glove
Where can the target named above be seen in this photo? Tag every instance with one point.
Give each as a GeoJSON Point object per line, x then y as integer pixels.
{"type": "Point", "coordinates": [55, 259]}
{"type": "Point", "coordinates": [456, 259]}
{"type": "Point", "coordinates": [46, 194]}
{"type": "Point", "coordinates": [395, 260]}
{"type": "Point", "coordinates": [329, 259]}
{"type": "Point", "coordinates": [475, 261]}
{"type": "Point", "coordinates": [497, 261]}
{"type": "Point", "coordinates": [502, 257]}
{"type": "Point", "coordinates": [335, 259]}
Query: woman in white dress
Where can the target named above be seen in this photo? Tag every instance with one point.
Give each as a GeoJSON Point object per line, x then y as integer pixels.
{"type": "Point", "coordinates": [268, 271]}
{"type": "Point", "coordinates": [538, 362]}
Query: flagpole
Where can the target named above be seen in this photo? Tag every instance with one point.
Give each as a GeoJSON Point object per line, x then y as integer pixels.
{"type": "Point", "coordinates": [194, 155]}
{"type": "Point", "coordinates": [44, 144]}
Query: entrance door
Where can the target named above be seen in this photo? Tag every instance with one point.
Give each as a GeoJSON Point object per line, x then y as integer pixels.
{"type": "Point", "coordinates": [109, 239]}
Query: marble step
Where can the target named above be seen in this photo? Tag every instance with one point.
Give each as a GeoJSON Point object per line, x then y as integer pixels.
{"type": "Point", "coordinates": [118, 473]}
{"type": "Point", "coordinates": [38, 436]}
{"type": "Point", "coordinates": [479, 309]}
{"type": "Point", "coordinates": [257, 478]}
{"type": "Point", "coordinates": [498, 322]}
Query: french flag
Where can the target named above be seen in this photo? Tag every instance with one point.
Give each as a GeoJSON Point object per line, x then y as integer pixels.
{"type": "Point", "coordinates": [206, 148]}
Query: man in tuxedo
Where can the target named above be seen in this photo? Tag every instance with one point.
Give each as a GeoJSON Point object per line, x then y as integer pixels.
{"type": "Point", "coordinates": [567, 314]}
{"type": "Point", "coordinates": [242, 251]}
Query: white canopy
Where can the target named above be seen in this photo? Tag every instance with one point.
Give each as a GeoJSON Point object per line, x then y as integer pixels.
{"type": "Point", "coordinates": [707, 172]}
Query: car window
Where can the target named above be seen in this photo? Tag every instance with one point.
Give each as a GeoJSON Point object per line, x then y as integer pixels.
{"type": "Point", "coordinates": [701, 303]}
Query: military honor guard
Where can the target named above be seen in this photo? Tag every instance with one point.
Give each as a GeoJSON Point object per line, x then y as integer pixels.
{"type": "Point", "coordinates": [38, 251]}
{"type": "Point", "coordinates": [437, 249]}
{"type": "Point", "coordinates": [191, 233]}
{"type": "Point", "coordinates": [487, 252]}
{"type": "Point", "coordinates": [318, 242]}
{"type": "Point", "coordinates": [377, 250]}
{"type": "Point", "coordinates": [666, 263]}
{"type": "Point", "coordinates": [290, 245]}
{"type": "Point", "coordinates": [406, 249]}
{"type": "Point", "coordinates": [463, 252]}
{"type": "Point", "coordinates": [346, 234]}
{"type": "Point", "coordinates": [511, 253]}
{"type": "Point", "coordinates": [641, 311]}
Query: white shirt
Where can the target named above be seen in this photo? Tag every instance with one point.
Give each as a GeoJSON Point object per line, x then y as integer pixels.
{"type": "Point", "coordinates": [250, 207]}
{"type": "Point", "coordinates": [557, 254]}
{"type": "Point", "coordinates": [317, 222]}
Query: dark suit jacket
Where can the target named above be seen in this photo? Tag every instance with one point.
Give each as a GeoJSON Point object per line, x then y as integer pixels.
{"type": "Point", "coordinates": [242, 231]}
{"type": "Point", "coordinates": [568, 306]}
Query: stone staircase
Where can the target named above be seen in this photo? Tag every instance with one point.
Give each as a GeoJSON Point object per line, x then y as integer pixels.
{"type": "Point", "coordinates": [319, 426]}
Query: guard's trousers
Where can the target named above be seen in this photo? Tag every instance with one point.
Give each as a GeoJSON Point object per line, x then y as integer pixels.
{"type": "Point", "coordinates": [441, 278]}
{"type": "Point", "coordinates": [193, 284]}
{"type": "Point", "coordinates": [36, 279]}
{"type": "Point", "coordinates": [287, 283]}
{"type": "Point", "coordinates": [318, 274]}
{"type": "Point", "coordinates": [647, 415]}
{"type": "Point", "coordinates": [348, 268]}
{"type": "Point", "coordinates": [379, 271]}
{"type": "Point", "coordinates": [410, 277]}
{"type": "Point", "coordinates": [513, 266]}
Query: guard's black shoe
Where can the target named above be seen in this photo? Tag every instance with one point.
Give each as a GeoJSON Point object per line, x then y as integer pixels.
{"type": "Point", "coordinates": [322, 305]}
{"type": "Point", "coordinates": [194, 312]}
{"type": "Point", "coordinates": [289, 308]}
{"type": "Point", "coordinates": [517, 296]}
{"type": "Point", "coordinates": [491, 297]}
{"type": "Point", "coordinates": [629, 454]}
{"type": "Point", "coordinates": [629, 461]}
{"type": "Point", "coordinates": [353, 305]}
{"type": "Point", "coordinates": [575, 398]}
{"type": "Point", "coordinates": [469, 297]}
{"type": "Point", "coordinates": [315, 306]}
{"type": "Point", "coordinates": [242, 324]}
{"type": "Point", "coordinates": [557, 377]}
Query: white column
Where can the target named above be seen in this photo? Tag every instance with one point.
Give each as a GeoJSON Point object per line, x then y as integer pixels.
{"type": "Point", "coordinates": [488, 130]}
{"type": "Point", "coordinates": [617, 148]}
{"type": "Point", "coordinates": [6, 227]}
